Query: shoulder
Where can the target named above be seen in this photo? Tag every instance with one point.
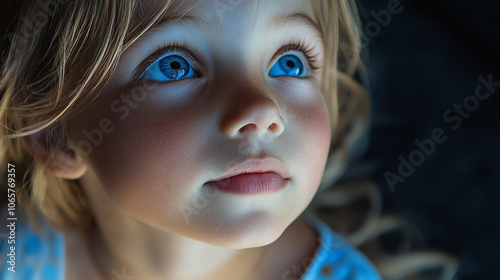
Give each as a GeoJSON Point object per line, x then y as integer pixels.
{"type": "Point", "coordinates": [335, 258]}
{"type": "Point", "coordinates": [26, 254]}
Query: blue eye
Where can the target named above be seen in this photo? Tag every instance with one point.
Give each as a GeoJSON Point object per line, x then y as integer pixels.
{"type": "Point", "coordinates": [288, 65]}
{"type": "Point", "coordinates": [169, 68]}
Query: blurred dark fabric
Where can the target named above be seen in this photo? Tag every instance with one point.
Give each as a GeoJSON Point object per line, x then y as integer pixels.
{"type": "Point", "coordinates": [427, 58]}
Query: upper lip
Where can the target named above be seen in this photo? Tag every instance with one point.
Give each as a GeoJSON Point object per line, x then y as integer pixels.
{"type": "Point", "coordinates": [257, 165]}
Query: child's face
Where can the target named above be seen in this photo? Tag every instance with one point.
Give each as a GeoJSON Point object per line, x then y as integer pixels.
{"type": "Point", "coordinates": [152, 146]}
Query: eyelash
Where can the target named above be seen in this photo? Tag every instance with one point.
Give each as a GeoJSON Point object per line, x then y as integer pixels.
{"type": "Point", "coordinates": [307, 50]}
{"type": "Point", "coordinates": [182, 47]}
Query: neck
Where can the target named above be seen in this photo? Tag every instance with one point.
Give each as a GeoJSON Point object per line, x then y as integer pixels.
{"type": "Point", "coordinates": [150, 253]}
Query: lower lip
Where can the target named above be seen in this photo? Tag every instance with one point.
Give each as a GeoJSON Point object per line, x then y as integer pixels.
{"type": "Point", "coordinates": [250, 183]}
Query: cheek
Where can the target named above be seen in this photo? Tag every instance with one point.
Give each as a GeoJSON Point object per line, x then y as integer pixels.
{"type": "Point", "coordinates": [315, 125]}
{"type": "Point", "coordinates": [311, 132]}
{"type": "Point", "coordinates": [144, 162]}
{"type": "Point", "coordinates": [318, 144]}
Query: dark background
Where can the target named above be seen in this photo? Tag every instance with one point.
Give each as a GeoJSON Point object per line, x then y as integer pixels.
{"type": "Point", "coordinates": [424, 60]}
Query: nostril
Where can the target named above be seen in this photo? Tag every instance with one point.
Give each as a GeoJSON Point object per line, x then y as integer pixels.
{"type": "Point", "coordinates": [272, 127]}
{"type": "Point", "coordinates": [246, 127]}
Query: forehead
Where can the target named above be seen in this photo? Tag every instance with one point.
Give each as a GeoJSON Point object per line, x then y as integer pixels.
{"type": "Point", "coordinates": [220, 13]}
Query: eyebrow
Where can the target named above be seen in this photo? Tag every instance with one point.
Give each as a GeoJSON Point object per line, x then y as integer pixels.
{"type": "Point", "coordinates": [283, 20]}
{"type": "Point", "coordinates": [170, 22]}
{"type": "Point", "coordinates": [280, 21]}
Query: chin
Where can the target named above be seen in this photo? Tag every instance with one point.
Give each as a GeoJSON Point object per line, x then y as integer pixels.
{"type": "Point", "coordinates": [253, 231]}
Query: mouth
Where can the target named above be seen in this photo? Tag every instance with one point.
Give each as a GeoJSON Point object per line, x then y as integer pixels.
{"type": "Point", "coordinates": [250, 183]}
{"type": "Point", "coordinates": [253, 176]}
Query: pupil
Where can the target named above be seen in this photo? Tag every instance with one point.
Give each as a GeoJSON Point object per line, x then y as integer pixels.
{"type": "Point", "coordinates": [175, 65]}
{"type": "Point", "coordinates": [290, 63]}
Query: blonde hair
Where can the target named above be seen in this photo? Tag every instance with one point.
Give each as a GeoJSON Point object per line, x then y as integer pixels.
{"type": "Point", "coordinates": [52, 70]}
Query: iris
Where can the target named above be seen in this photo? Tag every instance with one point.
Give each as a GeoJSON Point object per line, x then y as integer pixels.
{"type": "Point", "coordinates": [288, 65]}
{"type": "Point", "coordinates": [170, 68]}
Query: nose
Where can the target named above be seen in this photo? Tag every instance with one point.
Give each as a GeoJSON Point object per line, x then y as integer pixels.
{"type": "Point", "coordinates": [251, 115]}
